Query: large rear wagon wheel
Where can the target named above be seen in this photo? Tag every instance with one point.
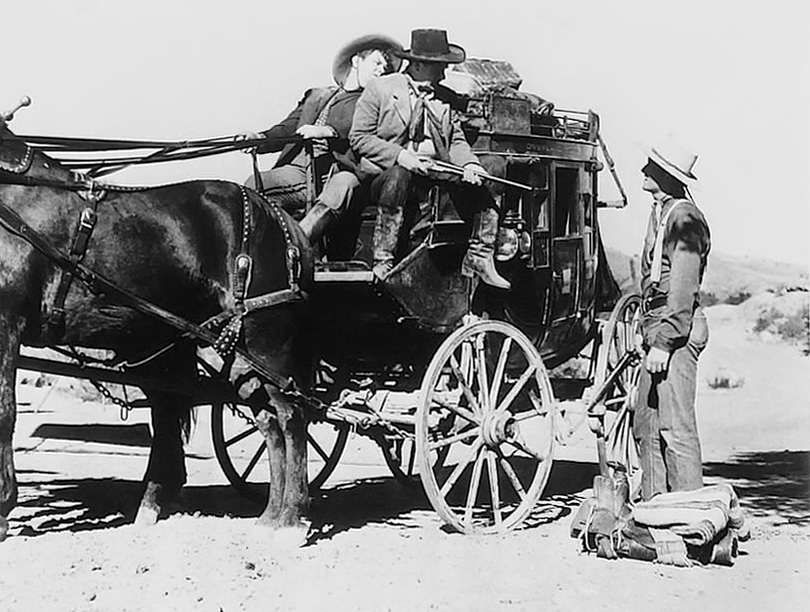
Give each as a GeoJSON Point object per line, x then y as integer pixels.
{"type": "Point", "coordinates": [619, 339]}
{"type": "Point", "coordinates": [241, 451]}
{"type": "Point", "coordinates": [485, 428]}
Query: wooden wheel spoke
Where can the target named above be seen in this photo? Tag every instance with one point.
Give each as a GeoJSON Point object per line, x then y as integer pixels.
{"type": "Point", "coordinates": [517, 387]}
{"type": "Point", "coordinates": [493, 487]}
{"type": "Point", "coordinates": [512, 476]}
{"type": "Point", "coordinates": [499, 371]}
{"type": "Point", "coordinates": [241, 436]}
{"type": "Point", "coordinates": [462, 412]}
{"type": "Point", "coordinates": [411, 460]}
{"type": "Point", "coordinates": [620, 417]}
{"type": "Point", "coordinates": [318, 449]}
{"type": "Point", "coordinates": [460, 467]}
{"type": "Point", "coordinates": [253, 461]}
{"type": "Point", "coordinates": [459, 437]}
{"type": "Point", "coordinates": [472, 493]}
{"type": "Point", "coordinates": [465, 388]}
{"type": "Point", "coordinates": [483, 383]}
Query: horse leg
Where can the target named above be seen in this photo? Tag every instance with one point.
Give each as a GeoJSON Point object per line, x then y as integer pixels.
{"type": "Point", "coordinates": [166, 470]}
{"type": "Point", "coordinates": [268, 425]}
{"type": "Point", "coordinates": [292, 528]}
{"type": "Point", "coordinates": [10, 335]}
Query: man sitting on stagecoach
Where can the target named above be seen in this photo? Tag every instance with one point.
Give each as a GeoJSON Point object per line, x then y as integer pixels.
{"type": "Point", "coordinates": [323, 118]}
{"type": "Point", "coordinates": [402, 121]}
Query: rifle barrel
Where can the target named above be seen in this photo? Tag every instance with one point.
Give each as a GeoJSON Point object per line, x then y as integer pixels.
{"type": "Point", "coordinates": [457, 170]}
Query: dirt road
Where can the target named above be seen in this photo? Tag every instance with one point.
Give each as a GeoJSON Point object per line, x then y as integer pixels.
{"type": "Point", "coordinates": [379, 546]}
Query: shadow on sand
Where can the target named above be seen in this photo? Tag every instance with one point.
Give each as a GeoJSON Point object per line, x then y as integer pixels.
{"type": "Point", "coordinates": [136, 434]}
{"type": "Point", "coordinates": [768, 484]}
{"type": "Point", "coordinates": [772, 483]}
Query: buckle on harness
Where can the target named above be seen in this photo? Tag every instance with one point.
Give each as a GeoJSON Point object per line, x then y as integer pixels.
{"type": "Point", "coordinates": [87, 220]}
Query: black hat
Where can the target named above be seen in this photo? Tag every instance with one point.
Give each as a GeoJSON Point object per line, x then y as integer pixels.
{"type": "Point", "coordinates": [429, 45]}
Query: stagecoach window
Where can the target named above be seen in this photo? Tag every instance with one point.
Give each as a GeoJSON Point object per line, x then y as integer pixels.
{"type": "Point", "coordinates": [568, 219]}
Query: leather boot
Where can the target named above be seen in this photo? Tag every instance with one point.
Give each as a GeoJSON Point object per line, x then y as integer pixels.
{"type": "Point", "coordinates": [317, 221]}
{"type": "Point", "coordinates": [386, 237]}
{"type": "Point", "coordinates": [480, 255]}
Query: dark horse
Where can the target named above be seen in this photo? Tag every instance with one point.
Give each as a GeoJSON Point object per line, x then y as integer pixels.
{"type": "Point", "coordinates": [173, 247]}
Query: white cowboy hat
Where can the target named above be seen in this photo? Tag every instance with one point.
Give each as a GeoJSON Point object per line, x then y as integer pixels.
{"type": "Point", "coordinates": [674, 160]}
{"type": "Point", "coordinates": [343, 60]}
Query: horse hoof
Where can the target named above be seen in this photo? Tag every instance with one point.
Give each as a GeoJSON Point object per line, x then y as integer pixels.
{"type": "Point", "coordinates": [3, 528]}
{"type": "Point", "coordinates": [147, 516]}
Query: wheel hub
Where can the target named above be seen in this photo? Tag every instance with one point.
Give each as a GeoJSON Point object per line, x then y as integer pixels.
{"type": "Point", "coordinates": [497, 428]}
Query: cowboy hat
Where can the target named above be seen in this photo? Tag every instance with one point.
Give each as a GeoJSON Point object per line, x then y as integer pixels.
{"type": "Point", "coordinates": [343, 60]}
{"type": "Point", "coordinates": [674, 160]}
{"type": "Point", "coordinates": [429, 45]}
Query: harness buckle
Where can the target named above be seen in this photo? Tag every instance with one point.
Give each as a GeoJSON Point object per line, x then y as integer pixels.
{"type": "Point", "coordinates": [87, 220]}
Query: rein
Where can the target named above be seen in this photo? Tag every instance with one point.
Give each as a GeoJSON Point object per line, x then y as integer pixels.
{"type": "Point", "coordinates": [164, 151]}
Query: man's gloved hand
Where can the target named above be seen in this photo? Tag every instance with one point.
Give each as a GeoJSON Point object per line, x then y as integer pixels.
{"type": "Point", "coordinates": [410, 161]}
{"type": "Point", "coordinates": [316, 131]}
{"type": "Point", "coordinates": [472, 174]}
{"type": "Point", "coordinates": [247, 136]}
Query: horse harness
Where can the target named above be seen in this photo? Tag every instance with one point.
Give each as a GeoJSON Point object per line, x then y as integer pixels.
{"type": "Point", "coordinates": [71, 266]}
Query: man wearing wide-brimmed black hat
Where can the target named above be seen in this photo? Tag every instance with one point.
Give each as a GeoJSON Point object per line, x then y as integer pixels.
{"type": "Point", "coordinates": [674, 327]}
{"type": "Point", "coordinates": [323, 117]}
{"type": "Point", "coordinates": [401, 122]}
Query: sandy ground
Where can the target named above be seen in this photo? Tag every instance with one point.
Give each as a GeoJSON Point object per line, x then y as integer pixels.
{"type": "Point", "coordinates": [377, 545]}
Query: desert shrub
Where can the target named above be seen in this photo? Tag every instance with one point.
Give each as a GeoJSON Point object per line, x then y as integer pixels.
{"type": "Point", "coordinates": [737, 298]}
{"type": "Point", "coordinates": [725, 379]}
{"type": "Point", "coordinates": [792, 327]}
{"type": "Point", "coordinates": [764, 320]}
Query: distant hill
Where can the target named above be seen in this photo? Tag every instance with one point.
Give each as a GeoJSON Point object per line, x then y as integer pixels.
{"type": "Point", "coordinates": [729, 279]}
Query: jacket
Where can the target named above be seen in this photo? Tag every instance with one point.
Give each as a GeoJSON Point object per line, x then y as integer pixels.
{"type": "Point", "coordinates": [380, 127]}
{"type": "Point", "coordinates": [282, 137]}
{"type": "Point", "coordinates": [686, 246]}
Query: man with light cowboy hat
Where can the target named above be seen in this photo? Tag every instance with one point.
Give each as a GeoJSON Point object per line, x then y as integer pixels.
{"type": "Point", "coordinates": [673, 326]}
{"type": "Point", "coordinates": [322, 118]}
{"type": "Point", "coordinates": [402, 122]}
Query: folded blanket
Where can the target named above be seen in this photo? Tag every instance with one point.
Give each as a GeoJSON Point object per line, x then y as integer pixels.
{"type": "Point", "coordinates": [697, 516]}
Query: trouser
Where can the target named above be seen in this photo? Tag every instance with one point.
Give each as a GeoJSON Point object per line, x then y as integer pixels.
{"type": "Point", "coordinates": [288, 186]}
{"type": "Point", "coordinates": [395, 188]}
{"type": "Point", "coordinates": [665, 423]}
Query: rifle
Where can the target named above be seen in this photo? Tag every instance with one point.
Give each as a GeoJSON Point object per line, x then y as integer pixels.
{"type": "Point", "coordinates": [441, 166]}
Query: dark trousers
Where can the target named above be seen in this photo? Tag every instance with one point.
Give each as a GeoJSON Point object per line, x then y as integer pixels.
{"type": "Point", "coordinates": [396, 188]}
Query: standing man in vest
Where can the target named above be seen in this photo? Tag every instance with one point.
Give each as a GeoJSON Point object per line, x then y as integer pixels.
{"type": "Point", "coordinates": [673, 326]}
{"type": "Point", "coordinates": [323, 118]}
{"type": "Point", "coordinates": [404, 120]}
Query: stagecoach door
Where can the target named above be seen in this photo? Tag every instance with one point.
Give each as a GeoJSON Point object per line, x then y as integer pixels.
{"type": "Point", "coordinates": [573, 253]}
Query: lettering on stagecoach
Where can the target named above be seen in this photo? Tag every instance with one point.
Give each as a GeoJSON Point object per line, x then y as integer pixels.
{"type": "Point", "coordinates": [534, 147]}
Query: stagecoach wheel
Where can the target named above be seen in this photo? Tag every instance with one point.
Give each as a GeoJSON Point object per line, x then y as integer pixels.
{"type": "Point", "coordinates": [400, 455]}
{"type": "Point", "coordinates": [619, 339]}
{"type": "Point", "coordinates": [492, 417]}
{"type": "Point", "coordinates": [241, 451]}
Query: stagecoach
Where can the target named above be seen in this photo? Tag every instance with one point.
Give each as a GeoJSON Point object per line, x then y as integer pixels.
{"type": "Point", "coordinates": [457, 382]}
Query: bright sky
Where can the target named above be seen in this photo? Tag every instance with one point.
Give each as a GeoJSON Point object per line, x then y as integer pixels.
{"type": "Point", "coordinates": [728, 79]}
